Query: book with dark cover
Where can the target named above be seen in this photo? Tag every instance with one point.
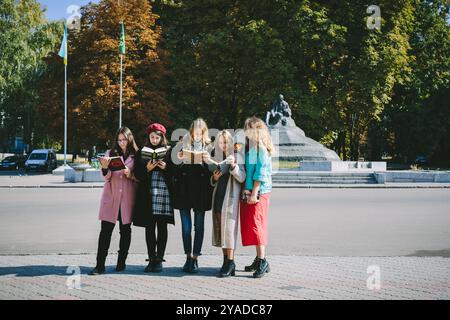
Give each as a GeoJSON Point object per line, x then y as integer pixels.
{"type": "Point", "coordinates": [116, 164]}
{"type": "Point", "coordinates": [150, 154]}
{"type": "Point", "coordinates": [222, 166]}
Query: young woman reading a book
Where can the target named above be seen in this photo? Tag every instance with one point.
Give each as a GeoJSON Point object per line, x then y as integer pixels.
{"type": "Point", "coordinates": [117, 199]}
{"type": "Point", "coordinates": [226, 180]}
{"type": "Point", "coordinates": [254, 205]}
{"type": "Point", "coordinates": [192, 190]}
{"type": "Point", "coordinates": [153, 209]}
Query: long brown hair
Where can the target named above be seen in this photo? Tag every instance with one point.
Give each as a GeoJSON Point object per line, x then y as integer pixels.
{"type": "Point", "coordinates": [257, 131]}
{"type": "Point", "coordinates": [132, 148]}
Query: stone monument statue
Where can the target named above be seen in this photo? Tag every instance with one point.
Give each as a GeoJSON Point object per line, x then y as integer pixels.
{"type": "Point", "coordinates": [280, 112]}
{"type": "Point", "coordinates": [291, 141]}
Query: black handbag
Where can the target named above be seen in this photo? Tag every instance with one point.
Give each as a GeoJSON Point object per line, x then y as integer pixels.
{"type": "Point", "coordinates": [245, 197]}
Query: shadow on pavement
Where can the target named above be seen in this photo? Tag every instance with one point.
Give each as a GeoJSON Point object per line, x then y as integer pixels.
{"type": "Point", "coordinates": [51, 270]}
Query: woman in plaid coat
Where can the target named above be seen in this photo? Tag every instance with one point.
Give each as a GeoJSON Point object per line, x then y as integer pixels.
{"type": "Point", "coordinates": [153, 207]}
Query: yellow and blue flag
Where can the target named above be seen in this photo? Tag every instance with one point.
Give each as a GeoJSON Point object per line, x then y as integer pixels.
{"type": "Point", "coordinates": [63, 50]}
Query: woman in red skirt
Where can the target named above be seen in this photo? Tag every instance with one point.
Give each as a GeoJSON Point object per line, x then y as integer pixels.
{"type": "Point", "coordinates": [254, 204]}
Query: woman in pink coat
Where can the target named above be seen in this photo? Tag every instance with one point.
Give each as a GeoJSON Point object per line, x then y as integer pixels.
{"type": "Point", "coordinates": [117, 199]}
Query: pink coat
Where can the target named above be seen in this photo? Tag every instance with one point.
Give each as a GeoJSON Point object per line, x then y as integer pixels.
{"type": "Point", "coordinates": [119, 191]}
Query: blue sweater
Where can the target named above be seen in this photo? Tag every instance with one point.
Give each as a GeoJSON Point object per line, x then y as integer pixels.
{"type": "Point", "coordinates": [258, 166]}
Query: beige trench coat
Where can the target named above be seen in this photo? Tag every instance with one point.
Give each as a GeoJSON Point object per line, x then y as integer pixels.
{"type": "Point", "coordinates": [225, 225]}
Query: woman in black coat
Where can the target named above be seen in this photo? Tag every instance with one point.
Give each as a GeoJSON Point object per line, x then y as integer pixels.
{"type": "Point", "coordinates": [153, 205]}
{"type": "Point", "coordinates": [193, 190]}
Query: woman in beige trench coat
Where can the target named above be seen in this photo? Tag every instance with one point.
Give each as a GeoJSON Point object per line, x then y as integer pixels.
{"type": "Point", "coordinates": [226, 180]}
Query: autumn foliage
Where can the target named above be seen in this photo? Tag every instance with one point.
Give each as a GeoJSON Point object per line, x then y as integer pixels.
{"type": "Point", "coordinates": [94, 76]}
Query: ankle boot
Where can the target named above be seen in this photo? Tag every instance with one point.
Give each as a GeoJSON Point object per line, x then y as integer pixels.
{"type": "Point", "coordinates": [222, 269]}
{"type": "Point", "coordinates": [187, 264]}
{"type": "Point", "coordinates": [157, 265]}
{"type": "Point", "coordinates": [149, 267]}
{"type": "Point", "coordinates": [97, 271]}
{"type": "Point", "coordinates": [262, 268]}
{"type": "Point", "coordinates": [229, 270]}
{"type": "Point", "coordinates": [194, 266]}
{"type": "Point", "coordinates": [121, 258]}
{"type": "Point", "coordinates": [253, 266]}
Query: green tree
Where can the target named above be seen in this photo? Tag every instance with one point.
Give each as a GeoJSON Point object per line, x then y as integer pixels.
{"type": "Point", "coordinates": [93, 73]}
{"type": "Point", "coordinates": [364, 67]}
{"type": "Point", "coordinates": [226, 60]}
{"type": "Point", "coordinates": [417, 120]}
{"type": "Point", "coordinates": [26, 38]}
{"type": "Point", "coordinates": [229, 59]}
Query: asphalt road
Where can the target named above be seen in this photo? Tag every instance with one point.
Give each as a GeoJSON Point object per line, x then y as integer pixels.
{"type": "Point", "coordinates": [316, 222]}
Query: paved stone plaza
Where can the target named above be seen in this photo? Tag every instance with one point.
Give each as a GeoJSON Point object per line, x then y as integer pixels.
{"type": "Point", "coordinates": [325, 243]}
{"type": "Point", "coordinates": [291, 277]}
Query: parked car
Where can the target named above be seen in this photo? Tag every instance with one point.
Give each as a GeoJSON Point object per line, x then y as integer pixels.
{"type": "Point", "coordinates": [15, 162]}
{"type": "Point", "coordinates": [420, 159]}
{"type": "Point", "coordinates": [41, 160]}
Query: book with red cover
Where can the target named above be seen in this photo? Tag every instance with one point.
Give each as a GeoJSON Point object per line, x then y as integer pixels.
{"type": "Point", "coordinates": [116, 164]}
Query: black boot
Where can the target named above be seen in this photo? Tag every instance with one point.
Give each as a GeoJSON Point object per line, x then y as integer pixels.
{"type": "Point", "coordinates": [157, 265]}
{"type": "Point", "coordinates": [97, 270]}
{"type": "Point", "coordinates": [194, 266]}
{"type": "Point", "coordinates": [222, 269]}
{"type": "Point", "coordinates": [100, 266]}
{"type": "Point", "coordinates": [229, 270]}
{"type": "Point", "coordinates": [104, 241]}
{"type": "Point", "coordinates": [188, 264]}
{"type": "Point", "coordinates": [151, 261]}
{"type": "Point", "coordinates": [262, 268]}
{"type": "Point", "coordinates": [253, 266]}
{"type": "Point", "coordinates": [121, 258]}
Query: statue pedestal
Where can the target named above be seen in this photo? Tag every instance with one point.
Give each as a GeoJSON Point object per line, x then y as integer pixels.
{"type": "Point", "coordinates": [343, 166]}
{"type": "Point", "coordinates": [291, 144]}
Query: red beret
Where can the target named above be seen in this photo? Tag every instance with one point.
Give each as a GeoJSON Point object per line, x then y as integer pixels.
{"type": "Point", "coordinates": [156, 127]}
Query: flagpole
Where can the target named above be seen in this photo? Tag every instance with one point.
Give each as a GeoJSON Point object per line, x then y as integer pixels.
{"type": "Point", "coordinates": [120, 101]}
{"type": "Point", "coordinates": [119, 2]}
{"type": "Point", "coordinates": [63, 54]}
{"type": "Point", "coordinates": [65, 114]}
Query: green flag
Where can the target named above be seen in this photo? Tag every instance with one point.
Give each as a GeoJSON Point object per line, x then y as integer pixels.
{"type": "Point", "coordinates": [122, 40]}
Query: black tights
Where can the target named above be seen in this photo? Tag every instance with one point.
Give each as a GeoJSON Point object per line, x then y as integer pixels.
{"type": "Point", "coordinates": [156, 243]}
{"type": "Point", "coordinates": [104, 239]}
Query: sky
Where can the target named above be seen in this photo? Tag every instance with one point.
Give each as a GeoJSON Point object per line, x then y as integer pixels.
{"type": "Point", "coordinates": [56, 9]}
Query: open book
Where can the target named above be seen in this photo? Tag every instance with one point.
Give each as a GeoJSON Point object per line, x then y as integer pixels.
{"type": "Point", "coordinates": [222, 166]}
{"type": "Point", "coordinates": [153, 155]}
{"type": "Point", "coordinates": [116, 164]}
{"type": "Point", "coordinates": [193, 157]}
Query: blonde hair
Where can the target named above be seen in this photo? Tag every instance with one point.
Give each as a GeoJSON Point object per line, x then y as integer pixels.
{"type": "Point", "coordinates": [199, 123]}
{"type": "Point", "coordinates": [228, 141]}
{"type": "Point", "coordinates": [257, 131]}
